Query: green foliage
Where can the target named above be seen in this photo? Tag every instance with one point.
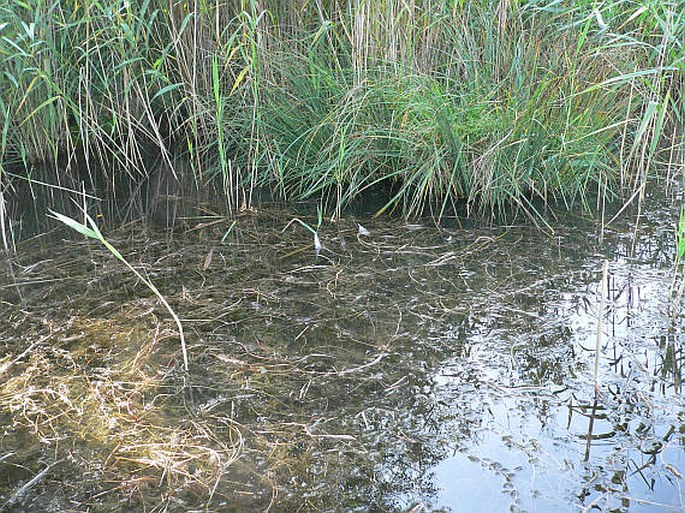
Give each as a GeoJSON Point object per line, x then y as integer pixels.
{"type": "Point", "coordinates": [499, 105]}
{"type": "Point", "coordinates": [496, 140]}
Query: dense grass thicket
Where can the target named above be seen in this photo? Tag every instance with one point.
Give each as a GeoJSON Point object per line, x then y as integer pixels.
{"type": "Point", "coordinates": [495, 105]}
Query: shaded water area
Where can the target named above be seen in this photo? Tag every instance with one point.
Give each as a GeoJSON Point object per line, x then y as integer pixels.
{"type": "Point", "coordinates": [413, 369]}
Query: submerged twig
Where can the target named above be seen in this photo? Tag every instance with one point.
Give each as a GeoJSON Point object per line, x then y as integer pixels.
{"type": "Point", "coordinates": [360, 368]}
{"type": "Point", "coordinates": [27, 486]}
{"type": "Point", "coordinates": [6, 365]}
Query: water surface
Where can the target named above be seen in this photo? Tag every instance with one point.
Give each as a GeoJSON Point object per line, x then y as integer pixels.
{"type": "Point", "coordinates": [435, 369]}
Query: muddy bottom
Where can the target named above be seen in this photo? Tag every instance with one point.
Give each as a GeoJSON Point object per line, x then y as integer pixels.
{"type": "Point", "coordinates": [410, 369]}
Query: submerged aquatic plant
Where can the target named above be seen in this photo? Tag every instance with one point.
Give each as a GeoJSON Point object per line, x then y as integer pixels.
{"type": "Point", "coordinates": [92, 231]}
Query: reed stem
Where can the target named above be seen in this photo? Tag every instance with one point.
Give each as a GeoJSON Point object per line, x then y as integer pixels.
{"type": "Point", "coordinates": [600, 318]}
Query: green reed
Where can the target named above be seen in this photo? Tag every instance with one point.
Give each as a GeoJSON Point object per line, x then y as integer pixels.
{"type": "Point", "coordinates": [90, 229]}
{"type": "Point", "coordinates": [497, 106]}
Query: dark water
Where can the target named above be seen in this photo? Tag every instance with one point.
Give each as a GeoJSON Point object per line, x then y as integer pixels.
{"type": "Point", "coordinates": [441, 370]}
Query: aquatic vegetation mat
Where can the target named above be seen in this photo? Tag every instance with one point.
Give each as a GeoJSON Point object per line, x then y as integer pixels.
{"type": "Point", "coordinates": [393, 371]}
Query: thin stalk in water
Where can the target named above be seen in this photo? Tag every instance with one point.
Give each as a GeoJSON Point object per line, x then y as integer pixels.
{"type": "Point", "coordinates": [317, 241]}
{"type": "Point", "coordinates": [598, 339]}
{"type": "Point", "coordinates": [93, 232]}
{"type": "Point", "coordinates": [678, 266]}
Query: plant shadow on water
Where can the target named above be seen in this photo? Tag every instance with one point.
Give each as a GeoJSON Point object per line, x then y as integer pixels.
{"type": "Point", "coordinates": [442, 370]}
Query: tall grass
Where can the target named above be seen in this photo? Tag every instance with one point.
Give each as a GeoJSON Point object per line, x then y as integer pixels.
{"type": "Point", "coordinates": [494, 109]}
{"type": "Point", "coordinates": [495, 104]}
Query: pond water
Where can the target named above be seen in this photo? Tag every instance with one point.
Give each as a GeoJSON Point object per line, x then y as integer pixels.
{"type": "Point", "coordinates": [411, 369]}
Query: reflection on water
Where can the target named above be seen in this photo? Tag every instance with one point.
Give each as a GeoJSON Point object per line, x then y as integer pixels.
{"type": "Point", "coordinates": [443, 370]}
{"type": "Point", "coordinates": [542, 442]}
